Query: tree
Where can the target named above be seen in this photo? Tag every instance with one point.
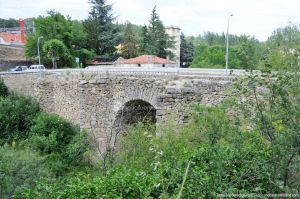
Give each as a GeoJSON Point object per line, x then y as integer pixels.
{"type": "Point", "coordinates": [145, 41]}
{"type": "Point", "coordinates": [186, 51]}
{"type": "Point", "coordinates": [248, 52]}
{"type": "Point", "coordinates": [214, 57]}
{"type": "Point", "coordinates": [56, 26]}
{"type": "Point", "coordinates": [3, 88]}
{"type": "Point", "coordinates": [283, 49]}
{"type": "Point", "coordinates": [155, 39]}
{"type": "Point", "coordinates": [56, 49]}
{"type": "Point", "coordinates": [8, 23]}
{"type": "Point", "coordinates": [84, 55]}
{"type": "Point", "coordinates": [100, 28]}
{"type": "Point", "coordinates": [272, 108]}
{"type": "Point", "coordinates": [130, 42]}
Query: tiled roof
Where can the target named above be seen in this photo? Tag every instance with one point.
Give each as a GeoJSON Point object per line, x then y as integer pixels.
{"type": "Point", "coordinates": [148, 59]}
{"type": "Point", "coordinates": [10, 38]}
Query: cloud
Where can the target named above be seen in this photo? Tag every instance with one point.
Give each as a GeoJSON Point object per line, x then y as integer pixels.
{"type": "Point", "coordinates": [255, 17]}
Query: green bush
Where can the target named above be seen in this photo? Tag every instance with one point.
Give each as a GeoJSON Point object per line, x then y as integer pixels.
{"type": "Point", "coordinates": [16, 116]}
{"type": "Point", "coordinates": [134, 147]}
{"type": "Point", "coordinates": [250, 147]}
{"type": "Point", "coordinates": [3, 89]}
{"type": "Point", "coordinates": [78, 149]}
{"type": "Point", "coordinates": [51, 133]}
{"type": "Point", "coordinates": [122, 183]}
{"type": "Point", "coordinates": [19, 170]}
{"type": "Point", "coordinates": [224, 158]}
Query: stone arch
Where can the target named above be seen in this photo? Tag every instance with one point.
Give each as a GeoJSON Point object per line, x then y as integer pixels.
{"type": "Point", "coordinates": [128, 94]}
{"type": "Point", "coordinates": [144, 99]}
{"type": "Point", "coordinates": [133, 111]}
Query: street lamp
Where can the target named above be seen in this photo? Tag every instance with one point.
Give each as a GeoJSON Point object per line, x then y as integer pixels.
{"type": "Point", "coordinates": [38, 47]}
{"type": "Point", "coordinates": [227, 43]}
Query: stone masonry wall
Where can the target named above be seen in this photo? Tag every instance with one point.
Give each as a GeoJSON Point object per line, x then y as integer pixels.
{"type": "Point", "coordinates": [56, 92]}
{"type": "Point", "coordinates": [94, 100]}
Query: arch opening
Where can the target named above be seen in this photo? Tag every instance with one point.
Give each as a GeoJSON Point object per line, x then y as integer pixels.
{"type": "Point", "coordinates": [133, 112]}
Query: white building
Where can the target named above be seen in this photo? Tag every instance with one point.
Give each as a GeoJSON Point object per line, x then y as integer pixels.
{"type": "Point", "coordinates": [174, 32]}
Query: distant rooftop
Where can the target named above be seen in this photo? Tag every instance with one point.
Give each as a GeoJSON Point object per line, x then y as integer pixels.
{"type": "Point", "coordinates": [9, 38]}
{"type": "Point", "coordinates": [148, 59]}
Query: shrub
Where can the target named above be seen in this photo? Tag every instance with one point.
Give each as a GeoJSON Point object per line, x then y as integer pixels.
{"type": "Point", "coordinates": [19, 170]}
{"type": "Point", "coordinates": [223, 159]}
{"type": "Point", "coordinates": [134, 147]}
{"type": "Point", "coordinates": [78, 149]}
{"type": "Point", "coordinates": [3, 89]}
{"type": "Point", "coordinates": [51, 133]}
{"type": "Point", "coordinates": [16, 116]}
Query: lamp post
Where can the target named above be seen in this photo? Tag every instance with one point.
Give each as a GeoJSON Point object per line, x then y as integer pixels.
{"type": "Point", "coordinates": [38, 47]}
{"type": "Point", "coordinates": [227, 43]}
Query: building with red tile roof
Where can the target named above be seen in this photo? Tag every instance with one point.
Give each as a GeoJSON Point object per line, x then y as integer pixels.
{"type": "Point", "coordinates": [141, 61]}
{"type": "Point", "coordinates": [148, 61]}
{"type": "Point", "coordinates": [10, 38]}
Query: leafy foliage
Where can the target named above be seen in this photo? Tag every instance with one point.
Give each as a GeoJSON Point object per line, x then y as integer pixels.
{"type": "Point", "coordinates": [101, 32]}
{"type": "Point", "coordinates": [225, 157]}
{"type": "Point", "coordinates": [282, 50]}
{"type": "Point", "coordinates": [56, 49]}
{"type": "Point", "coordinates": [3, 89]}
{"type": "Point", "coordinates": [56, 27]}
{"type": "Point", "coordinates": [274, 112]}
{"type": "Point", "coordinates": [51, 133]}
{"type": "Point", "coordinates": [246, 54]}
{"type": "Point", "coordinates": [84, 55]}
{"type": "Point", "coordinates": [36, 146]}
{"type": "Point", "coordinates": [186, 51]}
{"type": "Point", "coordinates": [16, 117]}
{"type": "Point", "coordinates": [130, 42]}
{"type": "Point", "coordinates": [155, 41]}
{"type": "Point", "coordinates": [8, 23]}
{"type": "Point", "coordinates": [19, 170]}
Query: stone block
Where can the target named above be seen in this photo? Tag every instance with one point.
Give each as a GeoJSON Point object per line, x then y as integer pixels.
{"type": "Point", "coordinates": [160, 112]}
{"type": "Point", "coordinates": [83, 82]}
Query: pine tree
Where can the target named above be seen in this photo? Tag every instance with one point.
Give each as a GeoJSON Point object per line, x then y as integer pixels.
{"type": "Point", "coordinates": [130, 42]}
{"type": "Point", "coordinates": [155, 39]}
{"type": "Point", "coordinates": [100, 28]}
{"type": "Point", "coordinates": [143, 46]}
{"type": "Point", "coordinates": [186, 51]}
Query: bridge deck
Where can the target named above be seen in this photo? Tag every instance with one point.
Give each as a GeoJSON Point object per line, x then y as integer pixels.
{"type": "Point", "coordinates": [145, 71]}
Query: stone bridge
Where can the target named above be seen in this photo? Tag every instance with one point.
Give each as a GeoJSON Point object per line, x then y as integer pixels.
{"type": "Point", "coordinates": [106, 100]}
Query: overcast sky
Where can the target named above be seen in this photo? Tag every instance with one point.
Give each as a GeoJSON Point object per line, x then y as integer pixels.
{"type": "Point", "coordinates": [251, 17]}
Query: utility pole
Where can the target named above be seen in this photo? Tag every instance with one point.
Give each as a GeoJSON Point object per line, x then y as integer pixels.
{"type": "Point", "coordinates": [38, 48]}
{"type": "Point", "coordinates": [227, 35]}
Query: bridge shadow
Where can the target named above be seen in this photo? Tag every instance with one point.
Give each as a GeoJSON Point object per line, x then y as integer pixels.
{"type": "Point", "coordinates": [133, 112]}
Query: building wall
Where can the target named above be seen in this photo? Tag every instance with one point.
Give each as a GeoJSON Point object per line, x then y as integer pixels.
{"type": "Point", "coordinates": [11, 56]}
{"type": "Point", "coordinates": [174, 31]}
{"type": "Point", "coordinates": [149, 65]}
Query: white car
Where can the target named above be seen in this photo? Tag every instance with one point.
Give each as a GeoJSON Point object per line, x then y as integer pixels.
{"type": "Point", "coordinates": [37, 67]}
